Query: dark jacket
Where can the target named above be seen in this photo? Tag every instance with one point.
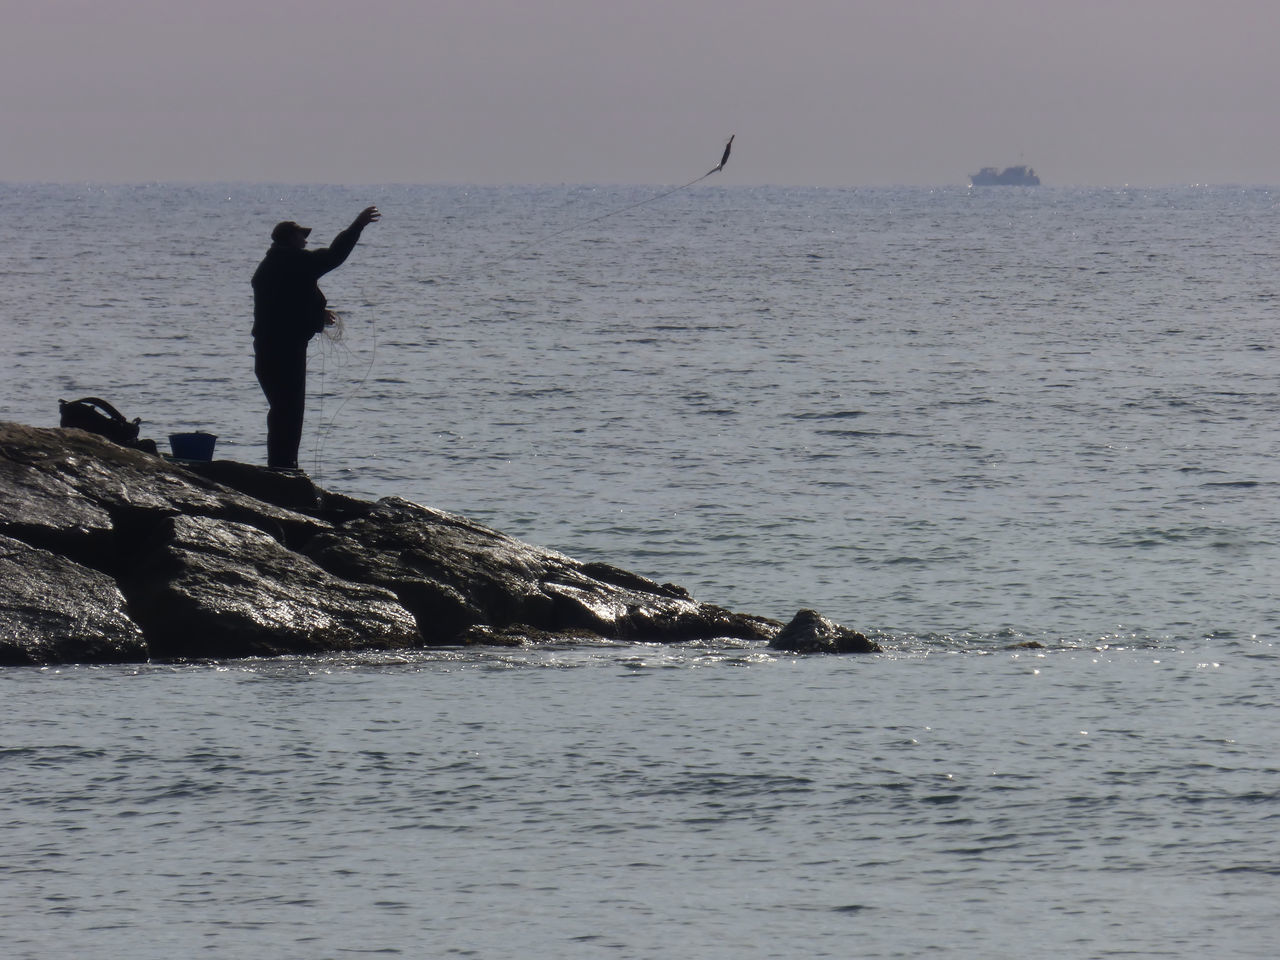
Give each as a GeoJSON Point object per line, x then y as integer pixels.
{"type": "Point", "coordinates": [288, 307]}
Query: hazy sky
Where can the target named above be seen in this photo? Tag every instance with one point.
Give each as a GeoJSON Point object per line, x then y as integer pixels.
{"type": "Point", "coordinates": [833, 92]}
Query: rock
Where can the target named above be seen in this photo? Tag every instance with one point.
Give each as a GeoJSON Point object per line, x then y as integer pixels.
{"type": "Point", "coordinates": [74, 492]}
{"type": "Point", "coordinates": [811, 632]}
{"type": "Point", "coordinates": [40, 506]}
{"type": "Point", "coordinates": [112, 553]}
{"type": "Point", "coordinates": [53, 610]}
{"type": "Point", "coordinates": [219, 589]}
{"type": "Point", "coordinates": [454, 574]}
{"type": "Point", "coordinates": [483, 635]}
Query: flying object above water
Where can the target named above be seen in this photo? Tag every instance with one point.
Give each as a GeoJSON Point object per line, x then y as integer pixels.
{"type": "Point", "coordinates": [725, 158]}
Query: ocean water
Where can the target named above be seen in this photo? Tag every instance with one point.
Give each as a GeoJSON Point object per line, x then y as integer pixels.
{"type": "Point", "coordinates": [958, 420]}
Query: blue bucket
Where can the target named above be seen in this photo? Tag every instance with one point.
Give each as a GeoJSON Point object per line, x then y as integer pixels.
{"type": "Point", "coordinates": [192, 446]}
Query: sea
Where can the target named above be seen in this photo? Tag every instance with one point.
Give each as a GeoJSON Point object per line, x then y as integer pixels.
{"type": "Point", "coordinates": [1027, 439]}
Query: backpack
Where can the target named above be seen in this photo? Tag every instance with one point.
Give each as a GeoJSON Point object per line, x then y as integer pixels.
{"type": "Point", "coordinates": [98, 416]}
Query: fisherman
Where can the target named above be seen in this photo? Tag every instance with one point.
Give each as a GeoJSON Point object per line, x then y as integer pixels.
{"type": "Point", "coordinates": [288, 310]}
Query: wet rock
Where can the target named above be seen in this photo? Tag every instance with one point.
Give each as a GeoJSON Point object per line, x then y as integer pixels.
{"type": "Point", "coordinates": [76, 493]}
{"type": "Point", "coordinates": [220, 589]}
{"type": "Point", "coordinates": [41, 507]}
{"type": "Point", "coordinates": [519, 635]}
{"type": "Point", "coordinates": [811, 632]}
{"type": "Point", "coordinates": [454, 574]}
{"type": "Point", "coordinates": [53, 610]}
{"type": "Point", "coordinates": [127, 555]}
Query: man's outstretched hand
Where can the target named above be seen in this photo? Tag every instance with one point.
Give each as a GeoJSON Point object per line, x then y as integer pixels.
{"type": "Point", "coordinates": [367, 216]}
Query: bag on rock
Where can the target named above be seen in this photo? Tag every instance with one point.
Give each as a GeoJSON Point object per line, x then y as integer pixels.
{"type": "Point", "coordinates": [98, 416]}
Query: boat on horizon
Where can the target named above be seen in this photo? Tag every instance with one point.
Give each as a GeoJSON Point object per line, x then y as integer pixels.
{"type": "Point", "coordinates": [1019, 176]}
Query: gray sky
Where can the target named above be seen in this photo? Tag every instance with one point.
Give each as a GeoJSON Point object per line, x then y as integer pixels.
{"type": "Point", "coordinates": [823, 92]}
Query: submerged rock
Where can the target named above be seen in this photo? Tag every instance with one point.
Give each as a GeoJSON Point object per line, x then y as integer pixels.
{"type": "Point", "coordinates": [113, 554]}
{"type": "Point", "coordinates": [811, 632]}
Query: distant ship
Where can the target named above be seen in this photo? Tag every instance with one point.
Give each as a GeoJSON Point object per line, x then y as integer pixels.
{"type": "Point", "coordinates": [1008, 177]}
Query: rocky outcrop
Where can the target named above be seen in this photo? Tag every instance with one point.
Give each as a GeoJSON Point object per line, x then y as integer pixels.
{"type": "Point", "coordinates": [113, 554]}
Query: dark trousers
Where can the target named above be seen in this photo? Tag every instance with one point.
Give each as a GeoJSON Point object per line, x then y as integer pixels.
{"type": "Point", "coordinates": [282, 372]}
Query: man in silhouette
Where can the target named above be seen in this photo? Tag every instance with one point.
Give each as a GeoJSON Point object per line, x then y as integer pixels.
{"type": "Point", "coordinates": [288, 310]}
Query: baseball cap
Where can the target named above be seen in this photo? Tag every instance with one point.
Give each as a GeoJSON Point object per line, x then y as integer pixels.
{"type": "Point", "coordinates": [287, 228]}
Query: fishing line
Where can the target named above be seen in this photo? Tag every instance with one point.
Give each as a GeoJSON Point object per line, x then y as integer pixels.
{"type": "Point", "coordinates": [576, 225]}
{"type": "Point", "coordinates": [640, 203]}
{"type": "Point", "coordinates": [333, 341]}
{"type": "Point", "coordinates": [334, 333]}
